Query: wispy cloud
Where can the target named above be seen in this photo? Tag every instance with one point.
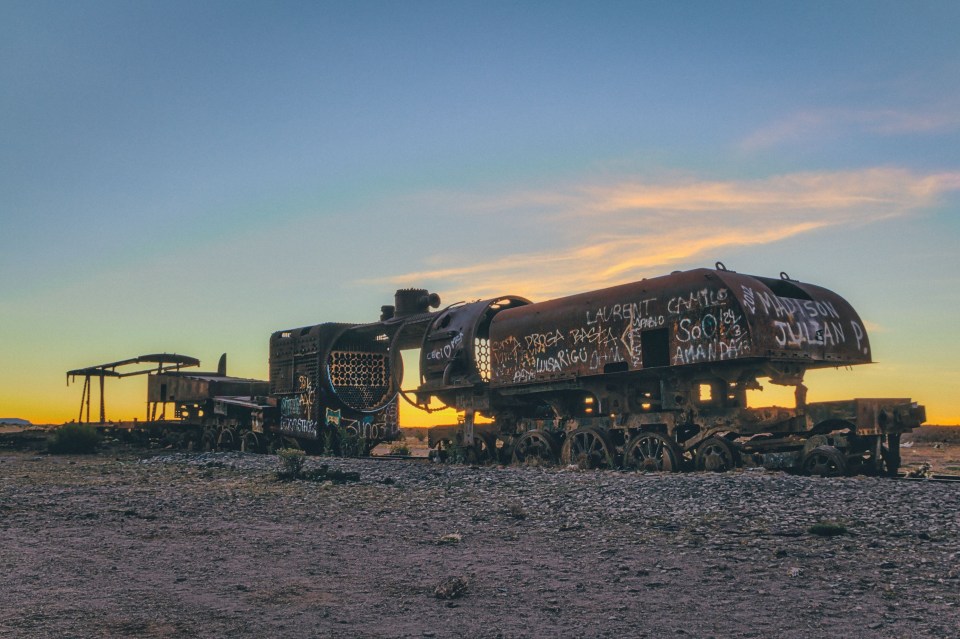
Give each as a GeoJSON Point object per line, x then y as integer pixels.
{"type": "Point", "coordinates": [603, 234]}
{"type": "Point", "coordinates": [810, 124]}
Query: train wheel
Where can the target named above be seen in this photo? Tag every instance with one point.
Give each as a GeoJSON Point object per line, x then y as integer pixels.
{"type": "Point", "coordinates": [227, 440]}
{"type": "Point", "coordinates": [250, 442]}
{"type": "Point", "coordinates": [208, 441]}
{"type": "Point", "coordinates": [588, 448]}
{"type": "Point", "coordinates": [825, 461]}
{"type": "Point", "coordinates": [535, 446]}
{"type": "Point", "coordinates": [651, 452]}
{"type": "Point", "coordinates": [716, 454]}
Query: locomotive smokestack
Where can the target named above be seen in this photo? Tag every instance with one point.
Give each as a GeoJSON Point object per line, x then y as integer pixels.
{"type": "Point", "coordinates": [413, 301]}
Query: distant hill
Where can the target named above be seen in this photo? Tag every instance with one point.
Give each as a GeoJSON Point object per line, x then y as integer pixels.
{"type": "Point", "coordinates": [13, 421]}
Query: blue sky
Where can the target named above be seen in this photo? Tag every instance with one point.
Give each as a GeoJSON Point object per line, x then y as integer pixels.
{"type": "Point", "coordinates": [191, 176]}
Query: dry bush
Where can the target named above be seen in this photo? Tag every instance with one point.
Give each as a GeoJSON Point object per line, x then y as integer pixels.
{"type": "Point", "coordinates": [74, 439]}
{"type": "Point", "coordinates": [516, 510]}
{"type": "Point", "coordinates": [291, 463]}
{"type": "Point", "coordinates": [399, 448]}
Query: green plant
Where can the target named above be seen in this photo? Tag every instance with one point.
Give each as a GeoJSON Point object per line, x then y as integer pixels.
{"type": "Point", "coordinates": [399, 448]}
{"type": "Point", "coordinates": [350, 443]}
{"type": "Point", "coordinates": [75, 439]}
{"type": "Point", "coordinates": [457, 454]}
{"type": "Point", "coordinates": [291, 463]}
{"type": "Point", "coordinates": [329, 441]}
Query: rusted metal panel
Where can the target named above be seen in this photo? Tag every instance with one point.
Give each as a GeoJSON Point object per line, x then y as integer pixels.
{"type": "Point", "coordinates": [698, 317]}
{"type": "Point", "coordinates": [295, 365]}
{"type": "Point", "coordinates": [791, 320]}
{"type": "Point", "coordinates": [678, 319]}
{"type": "Point", "coordinates": [870, 416]}
{"type": "Point", "coordinates": [186, 387]}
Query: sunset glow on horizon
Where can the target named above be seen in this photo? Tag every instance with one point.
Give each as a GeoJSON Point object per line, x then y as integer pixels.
{"type": "Point", "coordinates": [191, 178]}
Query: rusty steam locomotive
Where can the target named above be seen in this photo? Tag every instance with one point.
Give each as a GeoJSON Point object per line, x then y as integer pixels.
{"type": "Point", "coordinates": [651, 375]}
{"type": "Point", "coordinates": [654, 375]}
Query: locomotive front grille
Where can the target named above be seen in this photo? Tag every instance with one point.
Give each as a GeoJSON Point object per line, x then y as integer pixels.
{"type": "Point", "coordinates": [481, 351]}
{"type": "Point", "coordinates": [360, 379]}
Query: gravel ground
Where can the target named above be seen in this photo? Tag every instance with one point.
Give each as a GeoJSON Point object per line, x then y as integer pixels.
{"type": "Point", "coordinates": [209, 545]}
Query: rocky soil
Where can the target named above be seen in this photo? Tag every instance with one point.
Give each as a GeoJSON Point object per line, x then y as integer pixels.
{"type": "Point", "coordinates": [212, 545]}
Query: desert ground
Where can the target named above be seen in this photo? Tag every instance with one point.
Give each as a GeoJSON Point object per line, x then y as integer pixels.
{"type": "Point", "coordinates": [172, 544]}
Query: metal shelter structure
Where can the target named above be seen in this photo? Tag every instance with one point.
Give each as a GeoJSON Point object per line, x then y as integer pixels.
{"type": "Point", "coordinates": [164, 362]}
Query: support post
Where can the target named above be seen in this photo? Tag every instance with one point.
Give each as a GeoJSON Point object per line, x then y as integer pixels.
{"type": "Point", "coordinates": [103, 410]}
{"type": "Point", "coordinates": [83, 396]}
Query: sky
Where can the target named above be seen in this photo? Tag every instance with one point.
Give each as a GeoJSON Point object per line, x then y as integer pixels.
{"type": "Point", "coordinates": [189, 177]}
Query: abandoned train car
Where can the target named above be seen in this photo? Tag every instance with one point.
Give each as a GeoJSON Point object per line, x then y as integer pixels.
{"type": "Point", "coordinates": [654, 375]}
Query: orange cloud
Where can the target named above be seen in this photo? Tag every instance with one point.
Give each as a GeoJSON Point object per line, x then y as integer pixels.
{"type": "Point", "coordinates": [603, 234]}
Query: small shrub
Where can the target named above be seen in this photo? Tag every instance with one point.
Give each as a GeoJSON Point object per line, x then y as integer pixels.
{"type": "Point", "coordinates": [451, 588]}
{"type": "Point", "coordinates": [291, 463]}
{"type": "Point", "coordinates": [351, 445]}
{"type": "Point", "coordinates": [457, 454]}
{"type": "Point", "coordinates": [923, 470]}
{"type": "Point", "coordinates": [533, 461]}
{"type": "Point", "coordinates": [515, 510]}
{"type": "Point", "coordinates": [74, 439]}
{"type": "Point", "coordinates": [399, 448]}
{"type": "Point", "coordinates": [827, 529]}
{"type": "Point", "coordinates": [329, 441]}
